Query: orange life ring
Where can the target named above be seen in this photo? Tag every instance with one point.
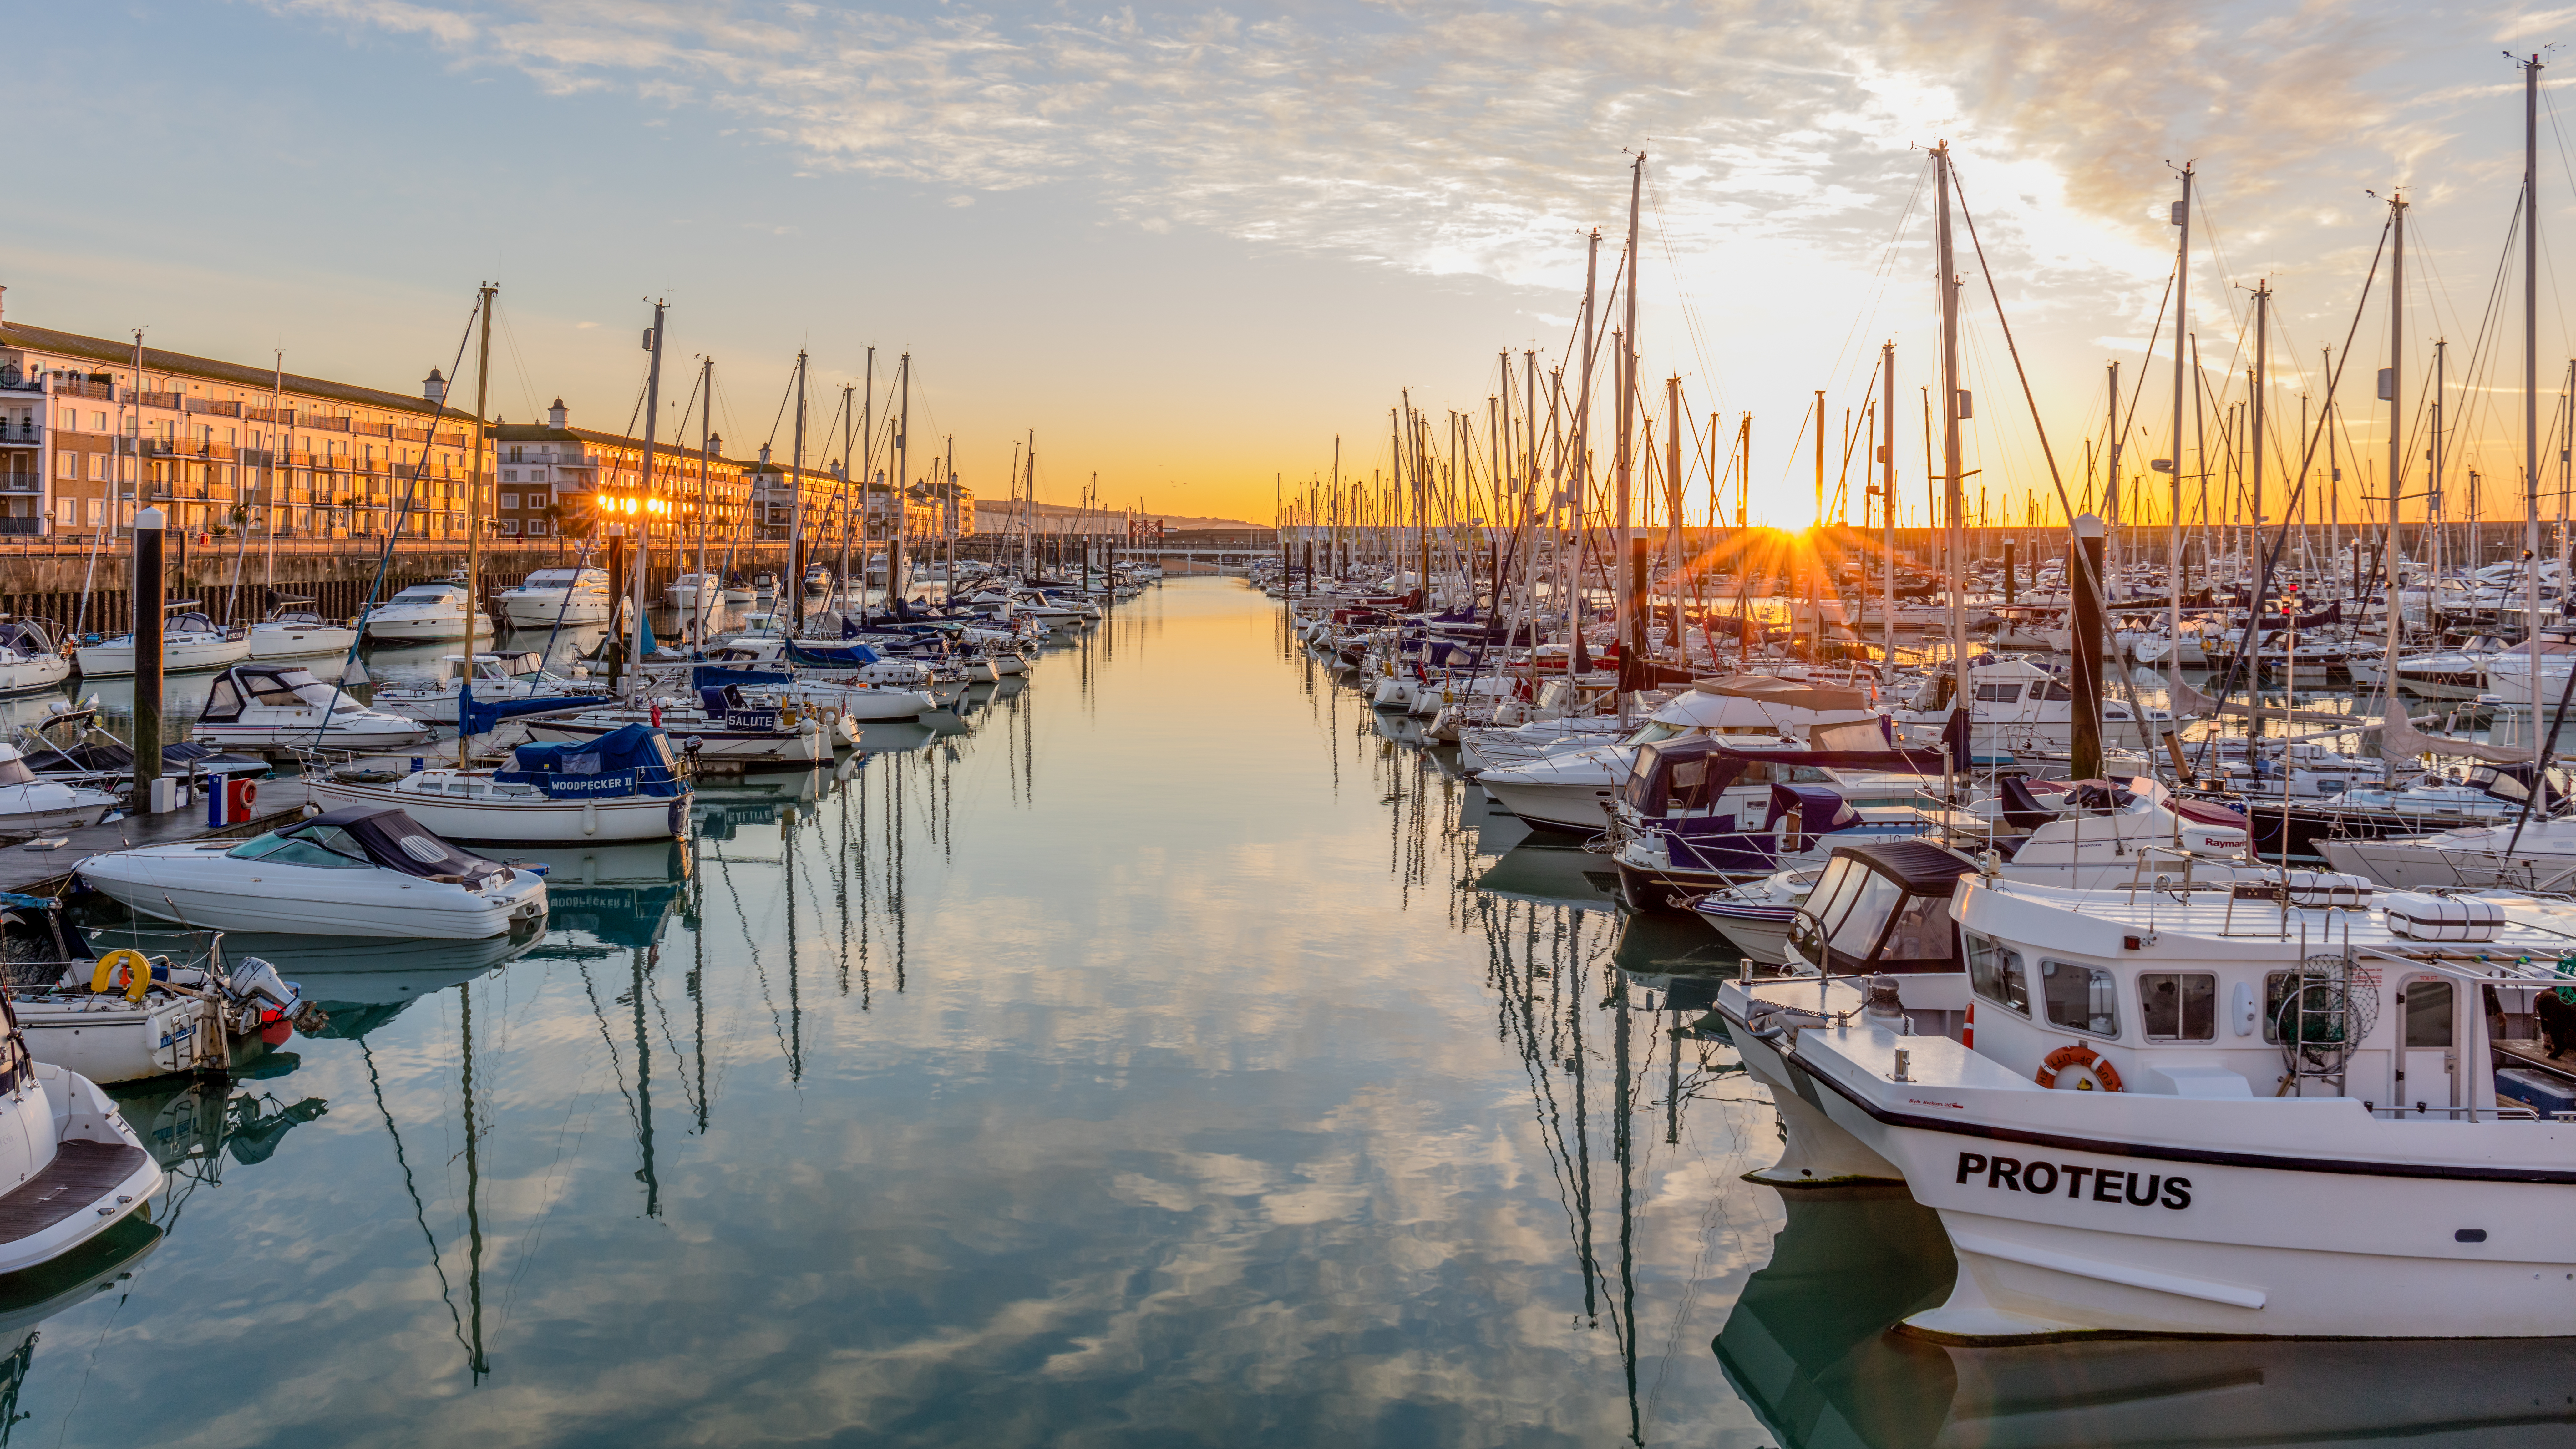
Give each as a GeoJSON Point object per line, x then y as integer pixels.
{"type": "Point", "coordinates": [2077, 1054]}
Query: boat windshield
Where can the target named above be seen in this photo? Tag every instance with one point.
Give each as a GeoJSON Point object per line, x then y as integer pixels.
{"type": "Point", "coordinates": [324, 849]}
{"type": "Point", "coordinates": [425, 594]}
{"type": "Point", "coordinates": [551, 578]}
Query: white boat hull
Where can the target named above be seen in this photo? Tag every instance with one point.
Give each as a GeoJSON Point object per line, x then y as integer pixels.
{"type": "Point", "coordinates": [272, 641]}
{"type": "Point", "coordinates": [108, 661]}
{"type": "Point", "coordinates": [538, 822]}
{"type": "Point", "coordinates": [418, 630]}
{"type": "Point", "coordinates": [106, 1039]}
{"type": "Point", "coordinates": [81, 1114]}
{"type": "Point", "coordinates": [542, 613]}
{"type": "Point", "coordinates": [209, 890]}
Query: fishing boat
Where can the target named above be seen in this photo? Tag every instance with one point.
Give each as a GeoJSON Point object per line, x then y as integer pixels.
{"type": "Point", "coordinates": [424, 613]}
{"type": "Point", "coordinates": [558, 596]}
{"type": "Point", "coordinates": [359, 871]}
{"type": "Point", "coordinates": [622, 786]}
{"type": "Point", "coordinates": [190, 640]}
{"type": "Point", "coordinates": [293, 630]}
{"type": "Point", "coordinates": [281, 706]}
{"type": "Point", "coordinates": [2249, 1108]}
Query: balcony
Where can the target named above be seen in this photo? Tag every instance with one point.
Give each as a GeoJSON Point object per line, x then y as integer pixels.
{"type": "Point", "coordinates": [18, 482]}
{"type": "Point", "coordinates": [323, 422]}
{"type": "Point", "coordinates": [213, 408]}
{"type": "Point", "coordinates": [170, 400]}
{"type": "Point", "coordinates": [66, 385]}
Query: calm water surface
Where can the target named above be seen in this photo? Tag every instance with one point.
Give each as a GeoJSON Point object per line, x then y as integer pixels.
{"type": "Point", "coordinates": [1162, 1051]}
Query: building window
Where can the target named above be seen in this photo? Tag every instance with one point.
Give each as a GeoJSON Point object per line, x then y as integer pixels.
{"type": "Point", "coordinates": [509, 500]}
{"type": "Point", "coordinates": [98, 422]}
{"type": "Point", "coordinates": [510, 527]}
{"type": "Point", "coordinates": [68, 510]}
{"type": "Point", "coordinates": [66, 463]}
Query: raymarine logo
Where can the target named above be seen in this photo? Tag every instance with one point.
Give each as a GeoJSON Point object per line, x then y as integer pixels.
{"type": "Point", "coordinates": [2110, 1184]}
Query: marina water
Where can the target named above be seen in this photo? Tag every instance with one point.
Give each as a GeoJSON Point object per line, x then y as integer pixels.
{"type": "Point", "coordinates": [1168, 1052]}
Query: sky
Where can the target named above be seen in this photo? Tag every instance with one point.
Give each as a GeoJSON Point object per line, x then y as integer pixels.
{"type": "Point", "coordinates": [1189, 248]}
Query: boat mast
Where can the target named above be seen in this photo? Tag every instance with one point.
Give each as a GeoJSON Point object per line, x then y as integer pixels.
{"type": "Point", "coordinates": [706, 437]}
{"type": "Point", "coordinates": [276, 387]}
{"type": "Point", "coordinates": [643, 515]}
{"type": "Point", "coordinates": [1954, 534]}
{"type": "Point", "coordinates": [2173, 526]}
{"type": "Point", "coordinates": [1631, 566]}
{"type": "Point", "coordinates": [2531, 390]}
{"type": "Point", "coordinates": [2260, 383]}
{"type": "Point", "coordinates": [2392, 386]}
{"type": "Point", "coordinates": [795, 585]}
{"type": "Point", "coordinates": [902, 487]}
{"type": "Point", "coordinates": [1886, 497]}
{"type": "Point", "coordinates": [474, 507]}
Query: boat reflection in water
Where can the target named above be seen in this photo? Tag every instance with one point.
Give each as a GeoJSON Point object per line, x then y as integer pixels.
{"type": "Point", "coordinates": [104, 1265]}
{"type": "Point", "coordinates": [1809, 1348]}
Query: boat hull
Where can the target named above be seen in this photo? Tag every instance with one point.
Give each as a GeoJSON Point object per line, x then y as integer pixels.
{"type": "Point", "coordinates": [109, 661]}
{"type": "Point", "coordinates": [209, 890]}
{"type": "Point", "coordinates": [268, 642]}
{"type": "Point", "coordinates": [550, 822]}
{"type": "Point", "coordinates": [90, 1128]}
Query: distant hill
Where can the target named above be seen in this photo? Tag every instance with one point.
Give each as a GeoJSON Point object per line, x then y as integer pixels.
{"type": "Point", "coordinates": [991, 517]}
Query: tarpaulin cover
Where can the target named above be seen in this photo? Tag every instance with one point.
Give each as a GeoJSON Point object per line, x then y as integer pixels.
{"type": "Point", "coordinates": [1821, 811]}
{"type": "Point", "coordinates": [397, 842]}
{"type": "Point", "coordinates": [717, 676]}
{"type": "Point", "coordinates": [475, 717]}
{"type": "Point", "coordinates": [630, 760]}
{"type": "Point", "coordinates": [851, 656]}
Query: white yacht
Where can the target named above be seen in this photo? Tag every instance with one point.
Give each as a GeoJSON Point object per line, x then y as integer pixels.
{"type": "Point", "coordinates": [190, 639]}
{"type": "Point", "coordinates": [424, 613]}
{"type": "Point", "coordinates": [293, 630]}
{"type": "Point", "coordinates": [30, 661]}
{"type": "Point", "coordinates": [362, 871]}
{"type": "Point", "coordinates": [558, 596]}
{"type": "Point", "coordinates": [511, 676]}
{"type": "Point", "coordinates": [282, 706]}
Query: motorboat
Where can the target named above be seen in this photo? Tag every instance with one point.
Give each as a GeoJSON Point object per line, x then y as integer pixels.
{"type": "Point", "coordinates": [123, 1015]}
{"type": "Point", "coordinates": [30, 661]}
{"type": "Point", "coordinates": [2536, 856]}
{"type": "Point", "coordinates": [2242, 1108]}
{"type": "Point", "coordinates": [75, 1168]}
{"type": "Point", "coordinates": [700, 593]}
{"type": "Point", "coordinates": [358, 871]}
{"type": "Point", "coordinates": [32, 804]}
{"type": "Point", "coordinates": [558, 596]}
{"type": "Point", "coordinates": [424, 613]}
{"type": "Point", "coordinates": [622, 786]}
{"type": "Point", "coordinates": [293, 630]}
{"type": "Point", "coordinates": [282, 706]}
{"type": "Point", "coordinates": [67, 746]}
{"type": "Point", "coordinates": [190, 640]}
{"type": "Point", "coordinates": [509, 677]}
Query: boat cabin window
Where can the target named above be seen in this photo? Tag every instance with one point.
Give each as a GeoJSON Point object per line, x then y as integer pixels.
{"type": "Point", "coordinates": [1921, 932]}
{"type": "Point", "coordinates": [1858, 929]}
{"type": "Point", "coordinates": [2054, 692]}
{"type": "Point", "coordinates": [1998, 693]}
{"type": "Point", "coordinates": [223, 701]}
{"type": "Point", "coordinates": [2080, 998]}
{"type": "Point", "coordinates": [1834, 889]}
{"type": "Point", "coordinates": [271, 690]}
{"type": "Point", "coordinates": [2178, 1005]}
{"type": "Point", "coordinates": [1994, 972]}
{"type": "Point", "coordinates": [2428, 1014]}
{"type": "Point", "coordinates": [276, 849]}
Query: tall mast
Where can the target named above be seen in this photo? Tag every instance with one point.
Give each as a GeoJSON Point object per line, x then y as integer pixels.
{"type": "Point", "coordinates": [1887, 497]}
{"type": "Point", "coordinates": [849, 428]}
{"type": "Point", "coordinates": [2531, 386]}
{"type": "Point", "coordinates": [474, 499]}
{"type": "Point", "coordinates": [1628, 564]}
{"type": "Point", "coordinates": [2254, 420]}
{"type": "Point", "coordinates": [1820, 458]}
{"type": "Point", "coordinates": [2173, 526]}
{"type": "Point", "coordinates": [867, 459]}
{"type": "Point", "coordinates": [1954, 534]}
{"type": "Point", "coordinates": [902, 485]}
{"type": "Point", "coordinates": [796, 503]}
{"type": "Point", "coordinates": [1580, 468]}
{"type": "Point", "coordinates": [706, 443]}
{"type": "Point", "coordinates": [643, 514]}
{"type": "Point", "coordinates": [2392, 386]}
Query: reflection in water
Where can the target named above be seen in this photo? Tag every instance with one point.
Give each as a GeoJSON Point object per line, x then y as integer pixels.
{"type": "Point", "coordinates": [1808, 1346]}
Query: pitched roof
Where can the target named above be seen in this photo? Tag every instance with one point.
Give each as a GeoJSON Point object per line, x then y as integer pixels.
{"type": "Point", "coordinates": [121, 354]}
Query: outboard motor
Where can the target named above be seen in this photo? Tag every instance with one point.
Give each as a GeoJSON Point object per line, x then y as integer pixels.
{"type": "Point", "coordinates": [255, 980]}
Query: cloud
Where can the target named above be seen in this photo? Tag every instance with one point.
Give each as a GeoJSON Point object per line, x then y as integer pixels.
{"type": "Point", "coordinates": [1483, 139]}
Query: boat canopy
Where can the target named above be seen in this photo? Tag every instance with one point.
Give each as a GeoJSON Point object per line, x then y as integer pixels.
{"type": "Point", "coordinates": [1689, 773]}
{"type": "Point", "coordinates": [395, 841]}
{"type": "Point", "coordinates": [276, 686]}
{"type": "Point", "coordinates": [849, 656]}
{"type": "Point", "coordinates": [630, 760]}
{"type": "Point", "coordinates": [1883, 906]}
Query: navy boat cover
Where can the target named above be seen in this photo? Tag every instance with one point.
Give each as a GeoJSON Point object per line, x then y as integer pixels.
{"type": "Point", "coordinates": [631, 760]}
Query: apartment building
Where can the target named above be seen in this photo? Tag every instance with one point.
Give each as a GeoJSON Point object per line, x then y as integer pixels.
{"type": "Point", "coordinates": [551, 477]}
{"type": "Point", "coordinates": [92, 428]}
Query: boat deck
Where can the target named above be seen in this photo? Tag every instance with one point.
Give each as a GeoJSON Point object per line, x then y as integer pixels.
{"type": "Point", "coordinates": [30, 869]}
{"type": "Point", "coordinates": [80, 1171]}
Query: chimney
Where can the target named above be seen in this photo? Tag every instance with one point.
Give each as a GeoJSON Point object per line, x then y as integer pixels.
{"type": "Point", "coordinates": [434, 387]}
{"type": "Point", "coordinates": [555, 415]}
{"type": "Point", "coordinates": [3, 289]}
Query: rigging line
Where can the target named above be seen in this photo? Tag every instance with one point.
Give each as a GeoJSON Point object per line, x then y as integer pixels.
{"type": "Point", "coordinates": [1689, 307]}
{"type": "Point", "coordinates": [2244, 659]}
{"type": "Point", "coordinates": [1881, 274]}
{"type": "Point", "coordinates": [518, 361]}
{"type": "Point", "coordinates": [420, 1210]}
{"type": "Point", "coordinates": [786, 394]}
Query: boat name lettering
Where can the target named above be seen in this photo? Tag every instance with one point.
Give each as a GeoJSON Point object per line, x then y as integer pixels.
{"type": "Point", "coordinates": [1920, 1102]}
{"type": "Point", "coordinates": [2110, 1184]}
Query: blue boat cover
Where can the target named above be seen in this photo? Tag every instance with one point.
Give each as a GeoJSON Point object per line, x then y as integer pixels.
{"type": "Point", "coordinates": [847, 657]}
{"type": "Point", "coordinates": [632, 760]}
{"type": "Point", "coordinates": [476, 718]}
{"type": "Point", "coordinates": [716, 676]}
